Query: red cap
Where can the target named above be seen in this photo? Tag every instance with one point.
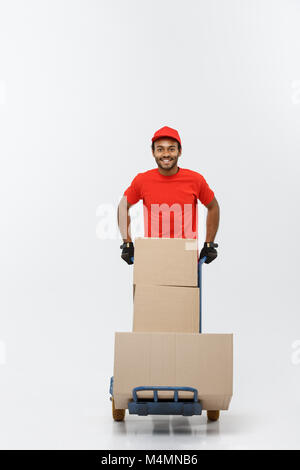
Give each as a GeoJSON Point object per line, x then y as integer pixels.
{"type": "Point", "coordinates": [166, 132]}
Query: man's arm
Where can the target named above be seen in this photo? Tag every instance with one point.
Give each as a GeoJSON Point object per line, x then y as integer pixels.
{"type": "Point", "coordinates": [124, 219]}
{"type": "Point", "coordinates": [212, 220]}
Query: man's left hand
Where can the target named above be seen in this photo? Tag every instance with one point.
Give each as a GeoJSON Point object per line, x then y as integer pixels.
{"type": "Point", "coordinates": [209, 250]}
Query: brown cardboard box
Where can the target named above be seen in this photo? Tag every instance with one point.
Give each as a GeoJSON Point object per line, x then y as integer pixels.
{"type": "Point", "coordinates": [166, 309]}
{"type": "Point", "coordinates": [203, 361]}
{"type": "Point", "coordinates": [165, 261]}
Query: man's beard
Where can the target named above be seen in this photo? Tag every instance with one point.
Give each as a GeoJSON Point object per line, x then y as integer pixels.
{"type": "Point", "coordinates": [169, 167]}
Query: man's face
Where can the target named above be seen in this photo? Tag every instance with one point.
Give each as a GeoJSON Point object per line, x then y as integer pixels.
{"type": "Point", "coordinates": [166, 153]}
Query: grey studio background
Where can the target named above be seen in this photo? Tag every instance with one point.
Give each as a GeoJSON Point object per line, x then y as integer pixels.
{"type": "Point", "coordinates": [83, 87]}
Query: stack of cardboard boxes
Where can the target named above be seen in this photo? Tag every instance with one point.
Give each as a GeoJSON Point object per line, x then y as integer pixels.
{"type": "Point", "coordinates": [165, 347]}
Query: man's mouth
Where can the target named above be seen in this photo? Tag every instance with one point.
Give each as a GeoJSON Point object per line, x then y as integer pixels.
{"type": "Point", "coordinates": [166, 160]}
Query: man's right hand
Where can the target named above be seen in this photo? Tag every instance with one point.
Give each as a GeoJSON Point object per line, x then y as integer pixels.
{"type": "Point", "coordinates": [127, 252]}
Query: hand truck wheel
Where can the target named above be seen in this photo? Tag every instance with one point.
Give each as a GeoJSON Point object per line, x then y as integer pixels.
{"type": "Point", "coordinates": [118, 415]}
{"type": "Point", "coordinates": [213, 415]}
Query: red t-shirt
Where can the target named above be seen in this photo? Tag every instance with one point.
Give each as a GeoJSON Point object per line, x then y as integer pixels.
{"type": "Point", "coordinates": [170, 202]}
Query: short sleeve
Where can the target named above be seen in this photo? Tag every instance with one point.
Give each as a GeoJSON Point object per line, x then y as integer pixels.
{"type": "Point", "coordinates": [133, 192]}
{"type": "Point", "coordinates": [205, 193]}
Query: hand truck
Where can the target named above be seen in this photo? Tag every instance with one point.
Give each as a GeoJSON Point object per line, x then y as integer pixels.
{"type": "Point", "coordinates": [160, 406]}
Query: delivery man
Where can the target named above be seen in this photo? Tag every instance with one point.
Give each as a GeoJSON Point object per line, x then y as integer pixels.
{"type": "Point", "coordinates": [170, 196]}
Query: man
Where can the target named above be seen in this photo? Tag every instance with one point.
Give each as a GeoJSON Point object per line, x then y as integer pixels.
{"type": "Point", "coordinates": [170, 195]}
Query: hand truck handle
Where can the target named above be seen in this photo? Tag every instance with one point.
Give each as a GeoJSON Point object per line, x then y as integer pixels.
{"type": "Point", "coordinates": [155, 391]}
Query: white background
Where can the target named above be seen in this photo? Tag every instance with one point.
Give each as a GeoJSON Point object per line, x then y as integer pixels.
{"type": "Point", "coordinates": [83, 87]}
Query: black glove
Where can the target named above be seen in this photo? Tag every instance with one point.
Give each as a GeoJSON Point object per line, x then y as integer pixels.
{"type": "Point", "coordinates": [209, 251]}
{"type": "Point", "coordinates": [127, 252]}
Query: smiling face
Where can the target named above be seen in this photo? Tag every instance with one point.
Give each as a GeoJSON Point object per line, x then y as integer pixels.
{"type": "Point", "coordinates": [166, 153]}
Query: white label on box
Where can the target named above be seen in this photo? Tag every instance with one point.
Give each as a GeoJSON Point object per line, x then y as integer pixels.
{"type": "Point", "coordinates": [191, 245]}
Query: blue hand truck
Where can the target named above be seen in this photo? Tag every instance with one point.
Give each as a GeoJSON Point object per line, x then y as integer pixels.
{"type": "Point", "coordinates": [160, 406]}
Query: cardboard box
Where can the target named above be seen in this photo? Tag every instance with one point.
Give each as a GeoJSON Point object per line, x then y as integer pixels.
{"type": "Point", "coordinates": [202, 361]}
{"type": "Point", "coordinates": [166, 309]}
{"type": "Point", "coordinates": [165, 261]}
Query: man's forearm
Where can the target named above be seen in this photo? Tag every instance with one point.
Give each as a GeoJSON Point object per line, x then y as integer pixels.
{"type": "Point", "coordinates": [212, 223]}
{"type": "Point", "coordinates": [125, 233]}
{"type": "Point", "coordinates": [124, 221]}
